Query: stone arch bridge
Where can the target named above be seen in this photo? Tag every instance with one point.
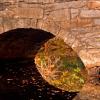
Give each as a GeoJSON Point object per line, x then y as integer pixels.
{"type": "Point", "coordinates": [77, 22]}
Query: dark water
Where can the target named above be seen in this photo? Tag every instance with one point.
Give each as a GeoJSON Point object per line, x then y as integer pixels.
{"type": "Point", "coordinates": [20, 80]}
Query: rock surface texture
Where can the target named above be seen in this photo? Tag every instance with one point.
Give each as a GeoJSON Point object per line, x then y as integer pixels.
{"type": "Point", "coordinates": [77, 22]}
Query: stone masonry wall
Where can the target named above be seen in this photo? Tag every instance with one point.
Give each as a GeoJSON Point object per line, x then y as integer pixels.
{"type": "Point", "coordinates": [75, 21]}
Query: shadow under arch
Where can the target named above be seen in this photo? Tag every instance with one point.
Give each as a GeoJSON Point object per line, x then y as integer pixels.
{"type": "Point", "coordinates": [19, 77]}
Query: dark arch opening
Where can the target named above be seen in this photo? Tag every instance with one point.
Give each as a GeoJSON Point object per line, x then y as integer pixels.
{"type": "Point", "coordinates": [22, 42]}
{"type": "Point", "coordinates": [19, 77]}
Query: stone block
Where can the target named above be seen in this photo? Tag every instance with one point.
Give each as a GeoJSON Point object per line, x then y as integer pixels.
{"type": "Point", "coordinates": [30, 5]}
{"type": "Point", "coordinates": [63, 34]}
{"type": "Point", "coordinates": [55, 6]}
{"type": "Point", "coordinates": [24, 23]}
{"type": "Point", "coordinates": [1, 29]}
{"type": "Point", "coordinates": [96, 28]}
{"type": "Point", "coordinates": [31, 1]}
{"type": "Point", "coordinates": [65, 5]}
{"type": "Point", "coordinates": [90, 13]}
{"type": "Point", "coordinates": [77, 4]}
{"type": "Point", "coordinates": [81, 22]}
{"type": "Point", "coordinates": [96, 21]}
{"type": "Point", "coordinates": [74, 13]}
{"type": "Point", "coordinates": [84, 22]}
{"type": "Point", "coordinates": [21, 23]}
{"type": "Point", "coordinates": [11, 1]}
{"type": "Point", "coordinates": [65, 25]}
{"type": "Point", "coordinates": [8, 23]}
{"type": "Point", "coordinates": [1, 25]}
{"type": "Point", "coordinates": [39, 1]}
{"type": "Point", "coordinates": [89, 92]}
{"type": "Point", "coordinates": [91, 57]}
{"type": "Point", "coordinates": [94, 4]}
{"type": "Point", "coordinates": [33, 23]}
{"type": "Point", "coordinates": [47, 1]}
{"type": "Point", "coordinates": [35, 13]}
{"type": "Point", "coordinates": [49, 26]}
{"type": "Point", "coordinates": [8, 13]}
{"type": "Point", "coordinates": [58, 15]}
{"type": "Point", "coordinates": [2, 6]}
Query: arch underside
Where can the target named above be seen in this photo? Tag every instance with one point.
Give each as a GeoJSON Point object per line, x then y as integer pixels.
{"type": "Point", "coordinates": [20, 79]}
{"type": "Point", "coordinates": [77, 22]}
{"type": "Point", "coordinates": [89, 55]}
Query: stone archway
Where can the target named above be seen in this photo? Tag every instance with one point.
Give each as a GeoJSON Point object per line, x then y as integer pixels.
{"type": "Point", "coordinates": [66, 19]}
{"type": "Point", "coordinates": [10, 53]}
{"type": "Point", "coordinates": [19, 77]}
{"type": "Point", "coordinates": [77, 22]}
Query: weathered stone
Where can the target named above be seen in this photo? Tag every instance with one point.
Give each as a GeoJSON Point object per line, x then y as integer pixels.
{"type": "Point", "coordinates": [90, 40]}
{"type": "Point", "coordinates": [76, 45]}
{"type": "Point", "coordinates": [21, 23]}
{"type": "Point", "coordinates": [31, 1]}
{"type": "Point", "coordinates": [89, 92]}
{"type": "Point", "coordinates": [8, 13]}
{"type": "Point", "coordinates": [96, 21]}
{"type": "Point", "coordinates": [81, 22]}
{"type": "Point", "coordinates": [8, 23]}
{"type": "Point", "coordinates": [58, 15]}
{"type": "Point", "coordinates": [92, 34]}
{"type": "Point", "coordinates": [1, 25]}
{"type": "Point", "coordinates": [33, 23]}
{"type": "Point", "coordinates": [70, 39]}
{"type": "Point", "coordinates": [63, 34]}
{"type": "Point", "coordinates": [49, 26]}
{"type": "Point", "coordinates": [39, 1]}
{"type": "Point", "coordinates": [53, 26]}
{"type": "Point", "coordinates": [47, 1]}
{"type": "Point", "coordinates": [94, 4]}
{"type": "Point", "coordinates": [74, 13]}
{"type": "Point", "coordinates": [65, 0]}
{"type": "Point", "coordinates": [77, 22]}
{"type": "Point", "coordinates": [35, 13]}
{"type": "Point", "coordinates": [24, 23]}
{"type": "Point", "coordinates": [65, 5]}
{"type": "Point", "coordinates": [88, 57]}
{"type": "Point", "coordinates": [9, 1]}
{"type": "Point", "coordinates": [1, 20]}
{"type": "Point", "coordinates": [81, 30]}
{"type": "Point", "coordinates": [61, 25]}
{"type": "Point", "coordinates": [30, 5]}
{"type": "Point", "coordinates": [1, 29]}
{"type": "Point", "coordinates": [2, 6]}
{"type": "Point", "coordinates": [55, 6]}
{"type": "Point", "coordinates": [64, 25]}
{"type": "Point", "coordinates": [77, 4]}
{"type": "Point", "coordinates": [96, 28]}
{"type": "Point", "coordinates": [95, 43]}
{"type": "Point", "coordinates": [90, 13]}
